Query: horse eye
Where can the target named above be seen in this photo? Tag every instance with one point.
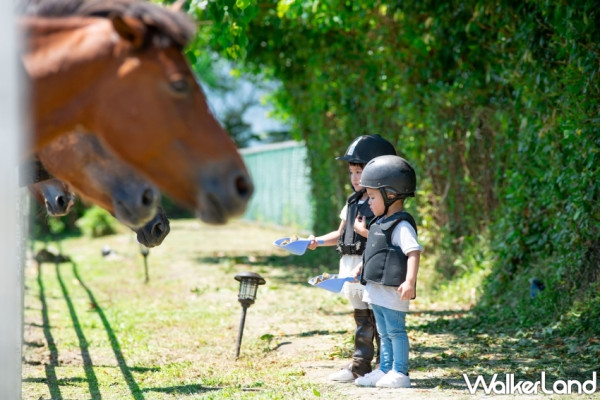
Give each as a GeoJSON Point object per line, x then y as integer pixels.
{"type": "Point", "coordinates": [180, 86]}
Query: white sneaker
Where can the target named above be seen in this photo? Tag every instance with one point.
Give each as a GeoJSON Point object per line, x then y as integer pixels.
{"type": "Point", "coordinates": [370, 379]}
{"type": "Point", "coordinates": [343, 375]}
{"type": "Point", "coordinates": [394, 379]}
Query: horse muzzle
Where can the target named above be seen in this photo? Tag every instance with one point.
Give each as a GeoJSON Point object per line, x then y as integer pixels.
{"type": "Point", "coordinates": [154, 231]}
{"type": "Point", "coordinates": [223, 195]}
{"type": "Point", "coordinates": [135, 205]}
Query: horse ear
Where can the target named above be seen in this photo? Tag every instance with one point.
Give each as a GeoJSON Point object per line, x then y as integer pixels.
{"type": "Point", "coordinates": [131, 29]}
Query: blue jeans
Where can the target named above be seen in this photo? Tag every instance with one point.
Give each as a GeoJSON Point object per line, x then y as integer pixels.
{"type": "Point", "coordinates": [394, 340]}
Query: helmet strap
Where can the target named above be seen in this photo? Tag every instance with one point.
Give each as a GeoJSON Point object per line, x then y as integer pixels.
{"type": "Point", "coordinates": [387, 202]}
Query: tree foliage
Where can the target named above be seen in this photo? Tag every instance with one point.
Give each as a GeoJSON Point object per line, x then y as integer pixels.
{"type": "Point", "coordinates": [496, 104]}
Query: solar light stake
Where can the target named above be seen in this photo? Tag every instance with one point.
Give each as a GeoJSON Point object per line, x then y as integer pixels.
{"type": "Point", "coordinates": [145, 251]}
{"type": "Point", "coordinates": [249, 282]}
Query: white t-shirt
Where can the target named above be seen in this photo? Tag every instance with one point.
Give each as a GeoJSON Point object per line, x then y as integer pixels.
{"type": "Point", "coordinates": [348, 262]}
{"type": "Point", "coordinates": [405, 237]}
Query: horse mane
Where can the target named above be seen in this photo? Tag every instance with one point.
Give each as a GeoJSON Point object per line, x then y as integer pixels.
{"type": "Point", "coordinates": [176, 25]}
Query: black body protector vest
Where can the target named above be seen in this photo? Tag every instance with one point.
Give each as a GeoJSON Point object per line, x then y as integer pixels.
{"type": "Point", "coordinates": [351, 242]}
{"type": "Point", "coordinates": [383, 262]}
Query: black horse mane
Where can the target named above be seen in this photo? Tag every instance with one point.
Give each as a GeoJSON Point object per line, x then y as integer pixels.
{"type": "Point", "coordinates": [176, 25]}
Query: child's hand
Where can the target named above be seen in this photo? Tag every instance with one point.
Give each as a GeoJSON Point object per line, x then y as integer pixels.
{"type": "Point", "coordinates": [406, 290]}
{"type": "Point", "coordinates": [356, 272]}
{"type": "Point", "coordinates": [313, 242]}
{"type": "Point", "coordinates": [360, 226]}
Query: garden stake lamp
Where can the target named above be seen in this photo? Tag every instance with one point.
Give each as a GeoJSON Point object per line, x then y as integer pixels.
{"type": "Point", "coordinates": [249, 282]}
{"type": "Point", "coordinates": [145, 251]}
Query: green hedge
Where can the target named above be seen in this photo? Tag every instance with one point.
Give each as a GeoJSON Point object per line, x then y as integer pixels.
{"type": "Point", "coordinates": [495, 103]}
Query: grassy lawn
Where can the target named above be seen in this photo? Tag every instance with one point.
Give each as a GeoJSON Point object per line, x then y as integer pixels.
{"type": "Point", "coordinates": [94, 329]}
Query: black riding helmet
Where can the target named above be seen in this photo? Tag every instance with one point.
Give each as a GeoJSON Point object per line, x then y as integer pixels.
{"type": "Point", "coordinates": [390, 174]}
{"type": "Point", "coordinates": [364, 148]}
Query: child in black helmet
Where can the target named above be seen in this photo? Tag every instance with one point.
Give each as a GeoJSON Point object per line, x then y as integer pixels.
{"type": "Point", "coordinates": [390, 265]}
{"type": "Point", "coordinates": [350, 239]}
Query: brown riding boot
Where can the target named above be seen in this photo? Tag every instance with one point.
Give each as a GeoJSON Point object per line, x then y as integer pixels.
{"type": "Point", "coordinates": [363, 342]}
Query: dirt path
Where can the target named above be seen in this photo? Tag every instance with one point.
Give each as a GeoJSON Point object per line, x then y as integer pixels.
{"type": "Point", "coordinates": [438, 361]}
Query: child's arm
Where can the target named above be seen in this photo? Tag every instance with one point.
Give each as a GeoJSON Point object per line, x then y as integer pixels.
{"type": "Point", "coordinates": [407, 288]}
{"type": "Point", "coordinates": [356, 272]}
{"type": "Point", "coordinates": [330, 238]}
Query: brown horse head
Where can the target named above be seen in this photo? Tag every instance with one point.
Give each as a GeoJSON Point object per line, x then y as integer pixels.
{"type": "Point", "coordinates": [97, 175]}
{"type": "Point", "coordinates": [55, 195]}
{"type": "Point", "coordinates": [116, 68]}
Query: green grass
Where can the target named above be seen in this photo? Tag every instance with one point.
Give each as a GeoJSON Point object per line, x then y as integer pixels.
{"type": "Point", "coordinates": [94, 329]}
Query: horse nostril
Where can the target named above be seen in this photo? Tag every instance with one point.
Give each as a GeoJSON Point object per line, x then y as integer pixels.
{"type": "Point", "coordinates": [147, 197]}
{"type": "Point", "coordinates": [243, 186]}
{"type": "Point", "coordinates": [157, 229]}
{"type": "Point", "coordinates": [60, 201]}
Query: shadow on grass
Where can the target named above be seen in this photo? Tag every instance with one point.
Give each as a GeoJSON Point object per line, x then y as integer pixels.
{"type": "Point", "coordinates": [50, 368]}
{"type": "Point", "coordinates": [460, 341]}
{"type": "Point", "coordinates": [293, 269]}
{"type": "Point", "coordinates": [183, 389]}
{"type": "Point", "coordinates": [114, 342]}
{"type": "Point", "coordinates": [145, 369]}
{"type": "Point", "coordinates": [88, 366]}
{"type": "Point", "coordinates": [91, 379]}
{"type": "Point", "coordinates": [61, 382]}
{"type": "Point", "coordinates": [319, 333]}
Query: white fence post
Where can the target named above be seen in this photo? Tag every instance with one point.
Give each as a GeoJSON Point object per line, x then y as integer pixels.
{"type": "Point", "coordinates": [11, 233]}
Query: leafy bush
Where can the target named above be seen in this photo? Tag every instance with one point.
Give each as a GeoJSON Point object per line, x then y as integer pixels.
{"type": "Point", "coordinates": [56, 226]}
{"type": "Point", "coordinates": [496, 104]}
{"type": "Point", "coordinates": [43, 226]}
{"type": "Point", "coordinates": [96, 222]}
